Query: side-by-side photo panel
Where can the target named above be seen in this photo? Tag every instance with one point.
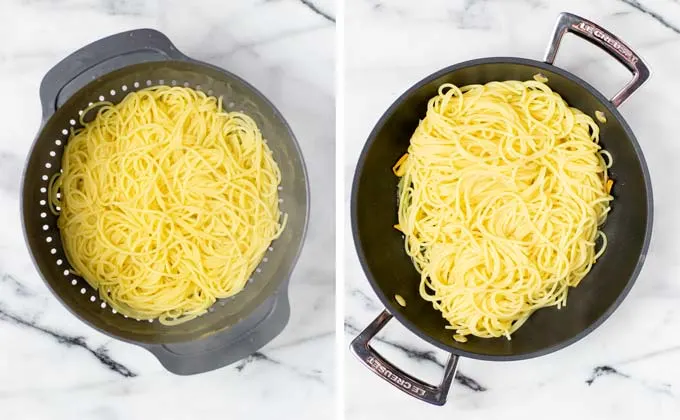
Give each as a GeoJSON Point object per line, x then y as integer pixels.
{"type": "Point", "coordinates": [500, 159]}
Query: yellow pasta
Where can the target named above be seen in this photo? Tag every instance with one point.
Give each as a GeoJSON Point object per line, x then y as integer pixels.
{"type": "Point", "coordinates": [539, 77]}
{"type": "Point", "coordinates": [501, 197]}
{"type": "Point", "coordinates": [166, 202]}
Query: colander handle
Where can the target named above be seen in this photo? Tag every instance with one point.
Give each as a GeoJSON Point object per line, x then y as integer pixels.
{"type": "Point", "coordinates": [101, 57]}
{"type": "Point", "coordinates": [237, 343]}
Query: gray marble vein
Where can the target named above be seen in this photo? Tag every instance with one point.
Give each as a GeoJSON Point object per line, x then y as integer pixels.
{"type": "Point", "coordinates": [602, 371]}
{"type": "Point", "coordinates": [314, 8]}
{"type": "Point", "coordinates": [313, 375]}
{"type": "Point", "coordinates": [303, 340]}
{"type": "Point", "coordinates": [100, 353]}
{"type": "Point", "coordinates": [654, 15]}
{"type": "Point", "coordinates": [606, 370]}
{"type": "Point", "coordinates": [19, 288]}
{"type": "Point", "coordinates": [368, 302]}
{"type": "Point", "coordinates": [282, 36]}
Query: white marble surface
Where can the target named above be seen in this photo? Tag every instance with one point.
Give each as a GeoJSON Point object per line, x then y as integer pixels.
{"type": "Point", "coordinates": [54, 367]}
{"type": "Point", "coordinates": [629, 368]}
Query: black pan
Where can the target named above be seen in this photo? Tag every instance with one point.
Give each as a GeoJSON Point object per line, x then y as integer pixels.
{"type": "Point", "coordinates": [390, 271]}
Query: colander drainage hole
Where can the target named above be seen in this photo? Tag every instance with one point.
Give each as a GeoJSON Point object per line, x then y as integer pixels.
{"type": "Point", "coordinates": [45, 227]}
{"type": "Point", "coordinates": [45, 177]}
{"type": "Point", "coordinates": [53, 153]}
{"type": "Point", "coordinates": [135, 84]}
{"type": "Point", "coordinates": [49, 238]}
{"type": "Point", "coordinates": [74, 282]}
{"type": "Point", "coordinates": [82, 291]}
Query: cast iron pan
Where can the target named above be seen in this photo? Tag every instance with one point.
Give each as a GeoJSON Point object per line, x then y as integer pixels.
{"type": "Point", "coordinates": [390, 271]}
{"type": "Point", "coordinates": [108, 69]}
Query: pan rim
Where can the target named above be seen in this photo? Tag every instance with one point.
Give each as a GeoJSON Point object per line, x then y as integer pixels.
{"type": "Point", "coordinates": [391, 307]}
{"type": "Point", "coordinates": [286, 272]}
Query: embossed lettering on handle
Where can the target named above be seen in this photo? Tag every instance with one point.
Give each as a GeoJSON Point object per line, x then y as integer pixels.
{"type": "Point", "coordinates": [385, 371]}
{"type": "Point", "coordinates": [380, 366]}
{"type": "Point", "coordinates": [604, 39]}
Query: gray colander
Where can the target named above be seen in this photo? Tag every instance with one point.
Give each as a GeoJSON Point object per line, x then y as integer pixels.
{"type": "Point", "coordinates": [106, 70]}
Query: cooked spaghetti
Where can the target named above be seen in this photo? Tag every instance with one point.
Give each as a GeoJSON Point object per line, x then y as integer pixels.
{"type": "Point", "coordinates": [501, 196]}
{"type": "Point", "coordinates": [166, 202]}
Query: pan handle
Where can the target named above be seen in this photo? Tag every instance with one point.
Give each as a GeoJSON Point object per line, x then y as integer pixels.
{"type": "Point", "coordinates": [607, 41]}
{"type": "Point", "coordinates": [149, 44]}
{"type": "Point", "coordinates": [380, 366]}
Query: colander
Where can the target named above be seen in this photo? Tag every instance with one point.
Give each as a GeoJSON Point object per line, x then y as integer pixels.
{"type": "Point", "coordinates": [108, 69]}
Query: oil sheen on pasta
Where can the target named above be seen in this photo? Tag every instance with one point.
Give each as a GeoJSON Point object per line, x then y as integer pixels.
{"type": "Point", "coordinates": [502, 192]}
{"type": "Point", "coordinates": [166, 202]}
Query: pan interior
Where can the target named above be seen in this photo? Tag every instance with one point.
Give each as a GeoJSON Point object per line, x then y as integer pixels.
{"type": "Point", "coordinates": [43, 235]}
{"type": "Point", "coordinates": [391, 272]}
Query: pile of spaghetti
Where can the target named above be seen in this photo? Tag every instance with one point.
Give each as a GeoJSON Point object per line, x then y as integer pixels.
{"type": "Point", "coordinates": [166, 202]}
{"type": "Point", "coordinates": [501, 195]}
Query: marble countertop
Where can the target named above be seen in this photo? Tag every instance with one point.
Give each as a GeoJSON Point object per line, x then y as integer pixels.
{"type": "Point", "coordinates": [629, 368]}
{"type": "Point", "coordinates": [52, 366]}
